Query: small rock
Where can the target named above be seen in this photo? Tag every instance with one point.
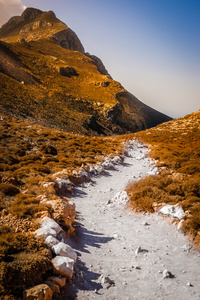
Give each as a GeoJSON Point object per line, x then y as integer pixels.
{"type": "Point", "coordinates": [61, 281]}
{"type": "Point", "coordinates": [186, 248]}
{"type": "Point", "coordinates": [189, 284]}
{"type": "Point", "coordinates": [106, 281]}
{"type": "Point", "coordinates": [167, 274]}
{"type": "Point", "coordinates": [139, 250]}
{"type": "Point", "coordinates": [180, 225]}
{"type": "Point", "coordinates": [144, 223]}
{"type": "Point", "coordinates": [108, 202]}
{"type": "Point", "coordinates": [115, 236]}
{"type": "Point", "coordinates": [53, 286]}
{"type": "Point", "coordinates": [82, 274]}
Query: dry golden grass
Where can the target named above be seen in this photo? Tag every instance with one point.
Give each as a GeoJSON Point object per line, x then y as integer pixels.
{"type": "Point", "coordinates": [176, 147]}
{"type": "Point", "coordinates": [30, 154]}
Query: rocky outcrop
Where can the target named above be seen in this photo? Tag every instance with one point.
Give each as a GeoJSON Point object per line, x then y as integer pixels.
{"type": "Point", "coordinates": [67, 71]}
{"type": "Point", "coordinates": [35, 25]}
{"type": "Point", "coordinates": [18, 22]}
{"type": "Point", "coordinates": [100, 66]}
{"type": "Point", "coordinates": [151, 116]}
{"type": "Point", "coordinates": [68, 39]}
{"type": "Point", "coordinates": [31, 13]}
{"type": "Point", "coordinates": [132, 114]}
{"type": "Point", "coordinates": [122, 114]}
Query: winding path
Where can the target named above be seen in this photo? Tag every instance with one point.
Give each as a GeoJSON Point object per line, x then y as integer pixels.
{"type": "Point", "coordinates": [109, 236]}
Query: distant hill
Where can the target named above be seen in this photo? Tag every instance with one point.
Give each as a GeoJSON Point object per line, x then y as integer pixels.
{"type": "Point", "coordinates": [47, 77]}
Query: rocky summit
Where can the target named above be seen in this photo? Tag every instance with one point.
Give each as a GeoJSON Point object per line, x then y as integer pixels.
{"type": "Point", "coordinates": [47, 78]}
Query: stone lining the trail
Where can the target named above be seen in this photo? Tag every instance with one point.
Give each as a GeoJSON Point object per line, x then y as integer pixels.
{"type": "Point", "coordinates": [62, 249]}
{"type": "Point", "coordinates": [173, 211]}
{"type": "Point", "coordinates": [63, 263]}
{"type": "Point", "coordinates": [63, 266]}
{"type": "Point", "coordinates": [48, 228]}
{"type": "Point", "coordinates": [121, 198]}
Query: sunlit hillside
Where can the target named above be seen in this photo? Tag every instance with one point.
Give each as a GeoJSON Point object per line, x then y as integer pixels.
{"type": "Point", "coordinates": [46, 76]}
{"type": "Point", "coordinates": [176, 147]}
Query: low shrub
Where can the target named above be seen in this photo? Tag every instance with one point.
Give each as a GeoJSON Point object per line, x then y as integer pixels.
{"type": "Point", "coordinates": [9, 189]}
{"type": "Point", "coordinates": [24, 262]}
{"type": "Point", "coordinates": [26, 206]}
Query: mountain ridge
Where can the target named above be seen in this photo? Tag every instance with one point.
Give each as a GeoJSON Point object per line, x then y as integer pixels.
{"type": "Point", "coordinates": [42, 42]}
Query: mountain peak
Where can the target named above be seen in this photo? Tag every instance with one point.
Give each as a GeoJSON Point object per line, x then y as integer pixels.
{"type": "Point", "coordinates": [35, 24]}
{"type": "Point", "coordinates": [40, 51]}
{"type": "Point", "coordinates": [30, 14]}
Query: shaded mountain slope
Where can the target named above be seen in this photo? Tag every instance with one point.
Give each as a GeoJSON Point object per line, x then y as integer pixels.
{"type": "Point", "coordinates": [151, 116]}
{"type": "Point", "coordinates": [46, 76]}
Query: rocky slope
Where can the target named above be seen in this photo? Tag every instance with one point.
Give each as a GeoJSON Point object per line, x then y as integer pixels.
{"type": "Point", "coordinates": [45, 73]}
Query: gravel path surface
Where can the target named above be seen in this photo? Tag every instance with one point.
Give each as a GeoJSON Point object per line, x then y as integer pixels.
{"type": "Point", "coordinates": [124, 255]}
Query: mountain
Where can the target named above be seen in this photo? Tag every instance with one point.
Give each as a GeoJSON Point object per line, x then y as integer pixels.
{"type": "Point", "coordinates": [47, 78]}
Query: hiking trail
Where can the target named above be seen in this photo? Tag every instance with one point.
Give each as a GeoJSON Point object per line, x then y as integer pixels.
{"type": "Point", "coordinates": [127, 255]}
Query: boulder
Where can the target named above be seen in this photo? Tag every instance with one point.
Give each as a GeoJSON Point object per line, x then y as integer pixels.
{"type": "Point", "coordinates": [63, 266]}
{"type": "Point", "coordinates": [100, 66]}
{"type": "Point", "coordinates": [53, 286]}
{"type": "Point", "coordinates": [67, 71]}
{"type": "Point", "coordinates": [38, 292]}
{"type": "Point", "coordinates": [44, 232]}
{"type": "Point", "coordinates": [63, 249]}
{"type": "Point", "coordinates": [48, 222]}
{"type": "Point", "coordinates": [61, 281]}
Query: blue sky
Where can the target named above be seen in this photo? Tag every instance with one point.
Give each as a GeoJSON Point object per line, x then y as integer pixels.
{"type": "Point", "coordinates": [151, 46]}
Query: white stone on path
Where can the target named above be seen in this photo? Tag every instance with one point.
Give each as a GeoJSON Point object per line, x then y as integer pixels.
{"type": "Point", "coordinates": [121, 198]}
{"type": "Point", "coordinates": [167, 274]}
{"type": "Point", "coordinates": [174, 211]}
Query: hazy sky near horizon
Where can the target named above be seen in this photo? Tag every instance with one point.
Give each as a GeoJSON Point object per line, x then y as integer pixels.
{"type": "Point", "coordinates": [151, 47]}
